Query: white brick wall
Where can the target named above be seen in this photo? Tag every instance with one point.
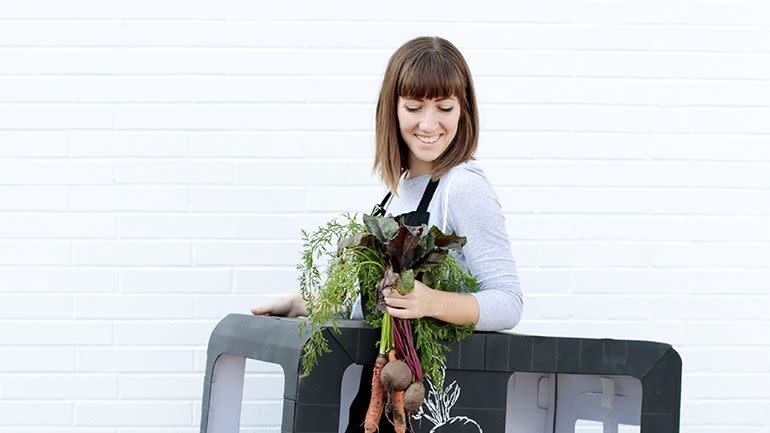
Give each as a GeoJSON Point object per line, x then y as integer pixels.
{"type": "Point", "coordinates": [158, 160]}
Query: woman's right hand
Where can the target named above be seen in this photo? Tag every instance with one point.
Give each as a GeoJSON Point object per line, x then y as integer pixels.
{"type": "Point", "coordinates": [289, 306]}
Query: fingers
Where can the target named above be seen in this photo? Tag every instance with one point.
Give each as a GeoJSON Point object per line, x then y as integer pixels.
{"type": "Point", "coordinates": [399, 305]}
{"type": "Point", "coordinates": [397, 302]}
{"type": "Point", "coordinates": [399, 313]}
{"type": "Point", "coordinates": [260, 311]}
{"type": "Point", "coordinates": [265, 310]}
{"type": "Point", "coordinates": [390, 293]}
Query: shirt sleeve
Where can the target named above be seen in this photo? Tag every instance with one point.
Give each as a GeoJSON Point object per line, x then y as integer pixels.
{"type": "Point", "coordinates": [474, 211]}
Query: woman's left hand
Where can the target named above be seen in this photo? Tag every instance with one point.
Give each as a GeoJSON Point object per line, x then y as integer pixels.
{"type": "Point", "coordinates": [414, 305]}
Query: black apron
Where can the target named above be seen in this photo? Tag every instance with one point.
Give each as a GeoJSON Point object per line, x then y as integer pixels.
{"type": "Point", "coordinates": [361, 401]}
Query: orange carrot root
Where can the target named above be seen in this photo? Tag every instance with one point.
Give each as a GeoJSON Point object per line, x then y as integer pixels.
{"type": "Point", "coordinates": [397, 402]}
{"type": "Point", "coordinates": [376, 403]}
{"type": "Point", "coordinates": [399, 414]}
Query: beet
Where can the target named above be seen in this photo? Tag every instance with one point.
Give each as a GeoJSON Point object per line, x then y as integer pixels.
{"type": "Point", "coordinates": [414, 396]}
{"type": "Point", "coordinates": [396, 375]}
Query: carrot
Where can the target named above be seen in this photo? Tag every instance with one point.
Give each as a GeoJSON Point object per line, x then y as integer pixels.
{"type": "Point", "coordinates": [391, 355]}
{"type": "Point", "coordinates": [376, 404]}
{"type": "Point", "coordinates": [399, 414]}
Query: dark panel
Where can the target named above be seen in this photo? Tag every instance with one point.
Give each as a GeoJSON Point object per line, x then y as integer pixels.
{"type": "Point", "coordinates": [287, 420]}
{"type": "Point", "coordinates": [591, 356]}
{"type": "Point", "coordinates": [615, 356]}
{"type": "Point", "coordinates": [659, 423]}
{"type": "Point", "coordinates": [480, 389]}
{"type": "Point", "coordinates": [519, 353]}
{"type": "Point", "coordinates": [544, 354]}
{"type": "Point", "coordinates": [472, 352]}
{"type": "Point", "coordinates": [310, 418]}
{"type": "Point", "coordinates": [568, 355]}
{"type": "Point", "coordinates": [661, 387]}
{"type": "Point", "coordinates": [496, 352]}
{"type": "Point", "coordinates": [453, 356]}
{"type": "Point", "coordinates": [323, 384]}
{"type": "Point", "coordinates": [642, 356]}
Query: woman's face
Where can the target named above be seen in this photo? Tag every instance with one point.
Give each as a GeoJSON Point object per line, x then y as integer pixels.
{"type": "Point", "coordinates": [427, 126]}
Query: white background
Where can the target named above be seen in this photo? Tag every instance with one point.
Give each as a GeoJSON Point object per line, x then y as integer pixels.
{"type": "Point", "coordinates": [159, 158]}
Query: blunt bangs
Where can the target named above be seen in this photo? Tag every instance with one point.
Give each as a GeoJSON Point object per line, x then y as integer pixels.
{"type": "Point", "coordinates": [431, 75]}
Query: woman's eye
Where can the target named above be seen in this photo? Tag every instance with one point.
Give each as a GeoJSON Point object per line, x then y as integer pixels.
{"type": "Point", "coordinates": [446, 110]}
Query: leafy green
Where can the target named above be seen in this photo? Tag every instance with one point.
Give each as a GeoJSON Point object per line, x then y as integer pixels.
{"type": "Point", "coordinates": [383, 228]}
{"type": "Point", "coordinates": [348, 268]}
{"type": "Point", "coordinates": [405, 282]}
{"type": "Point", "coordinates": [367, 257]}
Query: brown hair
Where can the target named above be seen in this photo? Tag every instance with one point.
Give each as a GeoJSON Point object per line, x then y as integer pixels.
{"type": "Point", "coordinates": [424, 67]}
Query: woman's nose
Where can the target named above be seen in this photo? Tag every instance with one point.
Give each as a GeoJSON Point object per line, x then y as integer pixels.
{"type": "Point", "coordinates": [429, 121]}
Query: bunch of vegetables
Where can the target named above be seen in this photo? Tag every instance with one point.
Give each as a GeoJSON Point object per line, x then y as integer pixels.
{"type": "Point", "coordinates": [383, 253]}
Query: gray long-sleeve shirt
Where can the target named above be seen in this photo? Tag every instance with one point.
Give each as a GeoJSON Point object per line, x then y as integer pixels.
{"type": "Point", "coordinates": [466, 204]}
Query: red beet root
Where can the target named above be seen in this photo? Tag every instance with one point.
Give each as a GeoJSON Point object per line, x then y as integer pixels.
{"type": "Point", "coordinates": [396, 375]}
{"type": "Point", "coordinates": [414, 396]}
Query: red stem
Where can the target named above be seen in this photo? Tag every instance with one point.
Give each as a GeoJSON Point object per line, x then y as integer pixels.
{"type": "Point", "coordinates": [410, 343]}
{"type": "Point", "coordinates": [402, 336]}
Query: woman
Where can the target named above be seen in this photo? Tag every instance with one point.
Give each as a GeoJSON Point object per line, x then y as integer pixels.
{"type": "Point", "coordinates": [426, 135]}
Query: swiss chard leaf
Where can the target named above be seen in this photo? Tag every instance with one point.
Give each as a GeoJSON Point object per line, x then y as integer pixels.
{"type": "Point", "coordinates": [383, 228]}
{"type": "Point", "coordinates": [401, 248]}
{"type": "Point", "coordinates": [405, 283]}
{"type": "Point", "coordinates": [450, 241]}
{"type": "Point", "coordinates": [434, 259]}
{"type": "Point", "coordinates": [388, 281]}
{"type": "Point", "coordinates": [427, 244]}
{"type": "Point", "coordinates": [356, 241]}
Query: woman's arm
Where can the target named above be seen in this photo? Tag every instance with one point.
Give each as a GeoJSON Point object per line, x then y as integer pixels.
{"type": "Point", "coordinates": [455, 308]}
{"type": "Point", "coordinates": [474, 211]}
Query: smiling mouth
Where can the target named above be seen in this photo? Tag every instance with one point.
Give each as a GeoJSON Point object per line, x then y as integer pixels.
{"type": "Point", "coordinates": [428, 140]}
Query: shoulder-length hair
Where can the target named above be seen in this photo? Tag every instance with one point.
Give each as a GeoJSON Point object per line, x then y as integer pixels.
{"type": "Point", "coordinates": [424, 67]}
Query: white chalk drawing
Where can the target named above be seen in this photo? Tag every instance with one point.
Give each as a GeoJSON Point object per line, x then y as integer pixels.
{"type": "Point", "coordinates": [438, 406]}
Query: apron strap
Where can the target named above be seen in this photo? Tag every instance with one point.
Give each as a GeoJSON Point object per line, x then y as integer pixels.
{"type": "Point", "coordinates": [427, 196]}
{"type": "Point", "coordinates": [379, 209]}
{"type": "Point", "coordinates": [422, 208]}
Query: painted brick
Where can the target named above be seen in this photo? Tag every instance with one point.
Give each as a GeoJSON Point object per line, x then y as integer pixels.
{"type": "Point", "coordinates": [158, 161]}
